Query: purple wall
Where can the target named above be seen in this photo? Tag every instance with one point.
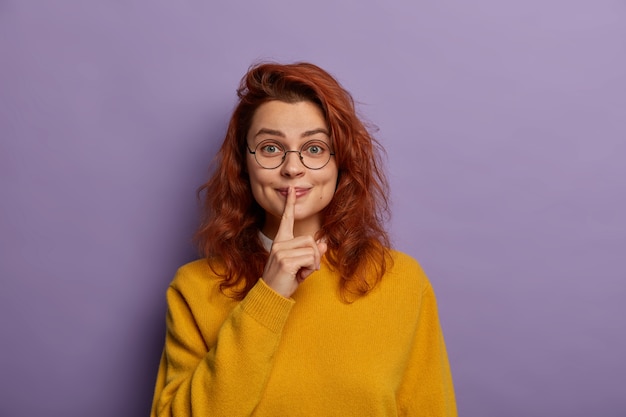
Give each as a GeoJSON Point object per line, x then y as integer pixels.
{"type": "Point", "coordinates": [505, 126]}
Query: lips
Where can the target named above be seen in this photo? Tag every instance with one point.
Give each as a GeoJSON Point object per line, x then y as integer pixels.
{"type": "Point", "coordinates": [300, 191]}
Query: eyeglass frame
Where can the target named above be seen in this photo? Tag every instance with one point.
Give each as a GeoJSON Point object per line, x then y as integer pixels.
{"type": "Point", "coordinates": [285, 152]}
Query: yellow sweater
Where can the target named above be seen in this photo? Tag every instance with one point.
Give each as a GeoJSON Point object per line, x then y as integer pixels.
{"type": "Point", "coordinates": [310, 355]}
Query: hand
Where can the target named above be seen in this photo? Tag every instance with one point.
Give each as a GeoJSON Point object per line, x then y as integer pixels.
{"type": "Point", "coordinates": [292, 259]}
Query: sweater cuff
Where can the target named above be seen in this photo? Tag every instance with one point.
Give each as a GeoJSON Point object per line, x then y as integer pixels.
{"type": "Point", "coordinates": [267, 306]}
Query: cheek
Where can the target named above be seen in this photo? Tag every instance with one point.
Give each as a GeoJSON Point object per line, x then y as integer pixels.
{"type": "Point", "coordinates": [332, 181]}
{"type": "Point", "coordinates": [256, 177]}
{"type": "Point", "coordinates": [330, 188]}
{"type": "Point", "coordinates": [261, 184]}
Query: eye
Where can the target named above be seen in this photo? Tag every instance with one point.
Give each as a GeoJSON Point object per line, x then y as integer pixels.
{"type": "Point", "coordinates": [315, 148]}
{"type": "Point", "coordinates": [270, 148]}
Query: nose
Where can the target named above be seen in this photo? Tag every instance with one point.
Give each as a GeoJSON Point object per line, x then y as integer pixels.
{"type": "Point", "coordinates": [292, 167]}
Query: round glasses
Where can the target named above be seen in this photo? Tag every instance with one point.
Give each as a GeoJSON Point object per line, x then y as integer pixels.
{"type": "Point", "coordinates": [271, 154]}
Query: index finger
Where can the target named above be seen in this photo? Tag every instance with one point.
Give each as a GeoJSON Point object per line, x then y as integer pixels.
{"type": "Point", "coordinates": [285, 229]}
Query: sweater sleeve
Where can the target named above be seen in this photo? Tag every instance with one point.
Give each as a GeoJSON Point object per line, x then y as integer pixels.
{"type": "Point", "coordinates": [427, 389]}
{"type": "Point", "coordinates": [226, 379]}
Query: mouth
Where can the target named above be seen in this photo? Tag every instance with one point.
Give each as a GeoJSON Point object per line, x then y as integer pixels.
{"type": "Point", "coordinates": [300, 191]}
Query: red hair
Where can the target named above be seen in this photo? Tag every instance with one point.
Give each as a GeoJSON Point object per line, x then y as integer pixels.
{"type": "Point", "coordinates": [353, 221]}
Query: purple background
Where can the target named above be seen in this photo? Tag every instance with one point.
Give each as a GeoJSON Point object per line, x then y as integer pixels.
{"type": "Point", "coordinates": [505, 126]}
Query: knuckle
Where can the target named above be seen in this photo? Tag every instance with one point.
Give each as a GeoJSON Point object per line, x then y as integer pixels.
{"type": "Point", "coordinates": [283, 261]}
{"type": "Point", "coordinates": [280, 257]}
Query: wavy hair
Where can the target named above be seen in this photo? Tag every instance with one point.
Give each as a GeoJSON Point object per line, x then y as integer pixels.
{"type": "Point", "coordinates": [353, 222]}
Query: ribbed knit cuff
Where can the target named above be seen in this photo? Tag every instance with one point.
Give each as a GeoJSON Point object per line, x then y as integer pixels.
{"type": "Point", "coordinates": [267, 306]}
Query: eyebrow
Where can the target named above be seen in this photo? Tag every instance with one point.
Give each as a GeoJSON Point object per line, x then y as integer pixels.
{"type": "Point", "coordinates": [282, 135]}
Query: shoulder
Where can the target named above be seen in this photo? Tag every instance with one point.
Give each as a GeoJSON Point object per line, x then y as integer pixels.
{"type": "Point", "coordinates": [406, 270]}
{"type": "Point", "coordinates": [198, 274]}
{"type": "Point", "coordinates": [197, 285]}
{"type": "Point", "coordinates": [406, 265]}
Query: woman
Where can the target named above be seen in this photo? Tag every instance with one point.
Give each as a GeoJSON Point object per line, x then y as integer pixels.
{"type": "Point", "coordinates": [299, 308]}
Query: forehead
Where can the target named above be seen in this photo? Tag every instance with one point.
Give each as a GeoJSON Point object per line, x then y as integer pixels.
{"type": "Point", "coordinates": [287, 119]}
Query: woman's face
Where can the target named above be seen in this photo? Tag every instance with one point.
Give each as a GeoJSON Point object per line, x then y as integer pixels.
{"type": "Point", "coordinates": [292, 125]}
